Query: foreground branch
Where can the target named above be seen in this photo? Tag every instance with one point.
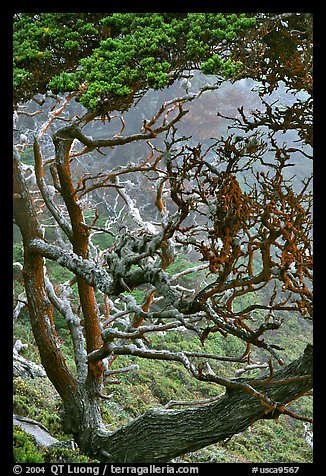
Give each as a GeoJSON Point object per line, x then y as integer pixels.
{"type": "Point", "coordinates": [165, 433]}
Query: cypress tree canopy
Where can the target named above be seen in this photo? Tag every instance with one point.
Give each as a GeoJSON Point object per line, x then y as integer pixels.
{"type": "Point", "coordinates": [106, 56]}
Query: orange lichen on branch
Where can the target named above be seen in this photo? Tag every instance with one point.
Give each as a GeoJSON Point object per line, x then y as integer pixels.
{"type": "Point", "coordinates": [230, 215]}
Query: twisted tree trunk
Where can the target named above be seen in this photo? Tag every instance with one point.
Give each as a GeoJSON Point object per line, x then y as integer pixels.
{"type": "Point", "coordinates": [159, 435]}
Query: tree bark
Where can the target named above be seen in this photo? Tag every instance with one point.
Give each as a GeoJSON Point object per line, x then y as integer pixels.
{"type": "Point", "coordinates": [39, 307]}
{"type": "Point", "coordinates": [26, 368]}
{"type": "Point", "coordinates": [159, 435]}
{"type": "Point", "coordinates": [80, 235]}
{"type": "Point", "coordinates": [40, 434]}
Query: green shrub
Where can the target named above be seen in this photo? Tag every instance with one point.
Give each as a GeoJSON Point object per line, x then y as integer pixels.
{"type": "Point", "coordinates": [25, 449]}
{"type": "Point", "coordinates": [18, 253]}
{"type": "Point", "coordinates": [36, 401]}
{"type": "Point", "coordinates": [63, 453]}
